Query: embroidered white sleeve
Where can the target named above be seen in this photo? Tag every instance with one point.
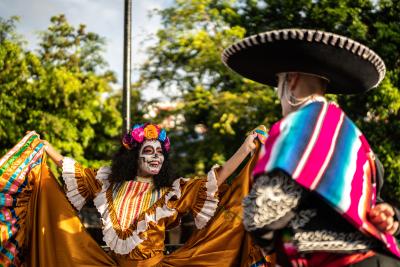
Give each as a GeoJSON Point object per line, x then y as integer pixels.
{"type": "Point", "coordinates": [69, 177]}
{"type": "Point", "coordinates": [270, 199]}
{"type": "Point", "coordinates": [211, 203]}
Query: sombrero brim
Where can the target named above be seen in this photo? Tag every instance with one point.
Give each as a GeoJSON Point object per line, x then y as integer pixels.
{"type": "Point", "coordinates": [349, 66]}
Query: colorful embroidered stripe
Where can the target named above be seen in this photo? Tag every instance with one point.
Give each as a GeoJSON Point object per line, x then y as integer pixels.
{"type": "Point", "coordinates": [15, 166]}
{"type": "Point", "coordinates": [261, 263]}
{"type": "Point", "coordinates": [131, 199]}
{"type": "Point", "coordinates": [16, 147]}
{"type": "Point", "coordinates": [128, 211]}
{"type": "Point", "coordinates": [18, 154]}
{"type": "Point", "coordinates": [322, 149]}
{"type": "Point", "coordinates": [10, 250]}
{"type": "Point", "coordinates": [26, 165]}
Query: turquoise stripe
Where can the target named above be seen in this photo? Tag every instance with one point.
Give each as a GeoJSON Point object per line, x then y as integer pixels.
{"type": "Point", "coordinates": [7, 253]}
{"type": "Point", "coordinates": [36, 163]}
{"type": "Point", "coordinates": [295, 137]}
{"type": "Point", "coordinates": [333, 181]}
{"type": "Point", "coordinates": [16, 155]}
{"type": "Point", "coordinates": [21, 167]}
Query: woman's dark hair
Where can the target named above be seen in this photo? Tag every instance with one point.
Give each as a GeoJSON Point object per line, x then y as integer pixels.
{"type": "Point", "coordinates": [124, 167]}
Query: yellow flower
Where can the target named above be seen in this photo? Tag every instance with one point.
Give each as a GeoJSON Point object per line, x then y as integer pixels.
{"type": "Point", "coordinates": [150, 132]}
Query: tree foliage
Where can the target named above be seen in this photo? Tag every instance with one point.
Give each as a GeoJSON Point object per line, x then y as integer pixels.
{"type": "Point", "coordinates": [64, 91]}
{"type": "Point", "coordinates": [187, 57]}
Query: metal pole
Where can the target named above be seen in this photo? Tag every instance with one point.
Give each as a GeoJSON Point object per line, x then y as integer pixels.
{"type": "Point", "coordinates": [126, 97]}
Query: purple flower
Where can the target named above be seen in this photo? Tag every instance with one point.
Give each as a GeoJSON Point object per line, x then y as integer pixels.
{"type": "Point", "coordinates": [127, 141]}
{"type": "Point", "coordinates": [167, 144]}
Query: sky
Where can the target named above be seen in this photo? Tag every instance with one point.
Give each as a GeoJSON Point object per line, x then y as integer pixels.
{"type": "Point", "coordinates": [104, 17]}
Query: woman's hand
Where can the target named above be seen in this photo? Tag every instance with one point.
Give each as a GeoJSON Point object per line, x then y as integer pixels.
{"type": "Point", "coordinates": [231, 165]}
{"type": "Point", "coordinates": [53, 154]}
{"type": "Point", "coordinates": [249, 144]}
{"type": "Point", "coordinates": [382, 216]}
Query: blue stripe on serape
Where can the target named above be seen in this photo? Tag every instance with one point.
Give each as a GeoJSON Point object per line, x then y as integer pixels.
{"type": "Point", "coordinates": [333, 181]}
{"type": "Point", "coordinates": [298, 133]}
{"type": "Point", "coordinates": [21, 167]}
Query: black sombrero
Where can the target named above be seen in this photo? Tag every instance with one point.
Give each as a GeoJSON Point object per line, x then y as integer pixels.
{"type": "Point", "coordinates": [349, 66]}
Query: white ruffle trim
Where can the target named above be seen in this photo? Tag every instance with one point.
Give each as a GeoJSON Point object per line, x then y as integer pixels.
{"type": "Point", "coordinates": [110, 236]}
{"type": "Point", "coordinates": [69, 177]}
{"type": "Point", "coordinates": [211, 203]}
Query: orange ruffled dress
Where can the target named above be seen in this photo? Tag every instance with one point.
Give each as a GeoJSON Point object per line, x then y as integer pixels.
{"type": "Point", "coordinates": [40, 227]}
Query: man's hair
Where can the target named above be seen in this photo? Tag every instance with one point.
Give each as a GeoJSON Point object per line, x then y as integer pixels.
{"type": "Point", "coordinates": [124, 167]}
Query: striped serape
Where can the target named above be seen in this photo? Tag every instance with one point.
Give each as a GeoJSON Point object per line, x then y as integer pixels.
{"type": "Point", "coordinates": [323, 151]}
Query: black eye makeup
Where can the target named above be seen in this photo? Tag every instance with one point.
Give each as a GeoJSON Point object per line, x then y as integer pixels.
{"type": "Point", "coordinates": [148, 150]}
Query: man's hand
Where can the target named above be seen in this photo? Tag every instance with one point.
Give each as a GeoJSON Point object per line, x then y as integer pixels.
{"type": "Point", "coordinates": [382, 216]}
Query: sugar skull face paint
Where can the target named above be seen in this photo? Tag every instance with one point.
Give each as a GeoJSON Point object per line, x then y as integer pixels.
{"type": "Point", "coordinates": [151, 158]}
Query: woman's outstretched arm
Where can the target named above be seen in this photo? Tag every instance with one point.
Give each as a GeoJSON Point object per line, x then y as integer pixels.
{"type": "Point", "coordinates": [53, 154]}
{"type": "Point", "coordinates": [231, 165]}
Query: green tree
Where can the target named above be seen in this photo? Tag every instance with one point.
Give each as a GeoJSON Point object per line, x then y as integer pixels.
{"type": "Point", "coordinates": [64, 92]}
{"type": "Point", "coordinates": [187, 57]}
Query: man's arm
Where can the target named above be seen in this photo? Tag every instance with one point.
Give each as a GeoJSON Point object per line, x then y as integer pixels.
{"type": "Point", "coordinates": [270, 206]}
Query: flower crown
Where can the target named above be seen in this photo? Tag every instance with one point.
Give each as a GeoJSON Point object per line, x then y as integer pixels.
{"type": "Point", "coordinates": [145, 131]}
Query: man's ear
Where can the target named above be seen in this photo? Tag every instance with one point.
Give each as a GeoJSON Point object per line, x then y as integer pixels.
{"type": "Point", "coordinates": [293, 79]}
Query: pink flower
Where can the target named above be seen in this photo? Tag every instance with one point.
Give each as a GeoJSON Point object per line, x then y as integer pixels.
{"type": "Point", "coordinates": [138, 134]}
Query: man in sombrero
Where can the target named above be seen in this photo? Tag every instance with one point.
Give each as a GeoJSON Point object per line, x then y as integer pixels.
{"type": "Point", "coordinates": [315, 200]}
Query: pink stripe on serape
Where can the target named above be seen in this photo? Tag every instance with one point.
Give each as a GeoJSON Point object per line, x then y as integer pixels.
{"type": "Point", "coordinates": [360, 194]}
{"type": "Point", "coordinates": [371, 159]}
{"type": "Point", "coordinates": [267, 148]}
{"type": "Point", "coordinates": [314, 137]}
{"type": "Point", "coordinates": [321, 147]}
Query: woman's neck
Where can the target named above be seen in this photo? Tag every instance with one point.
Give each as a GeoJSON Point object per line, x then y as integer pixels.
{"type": "Point", "coordinates": [143, 179]}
